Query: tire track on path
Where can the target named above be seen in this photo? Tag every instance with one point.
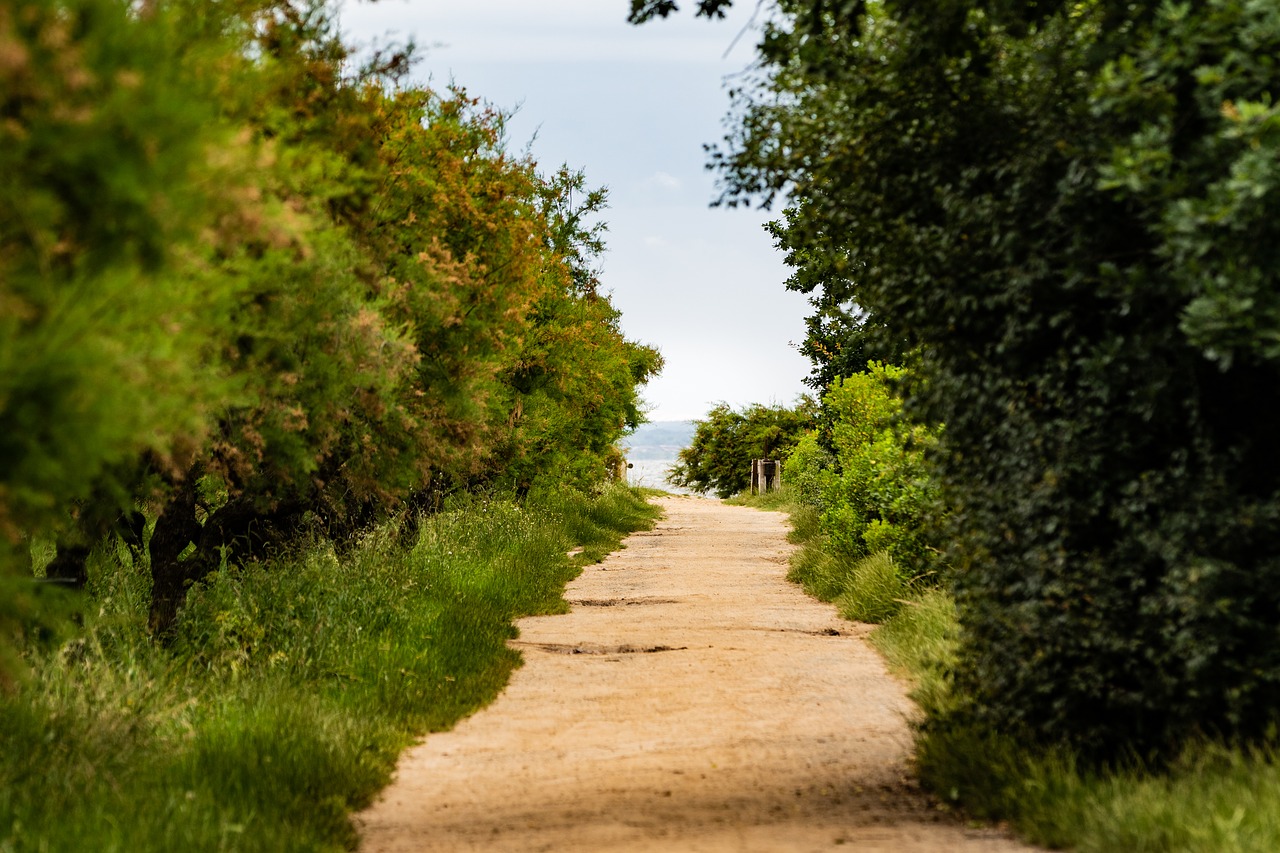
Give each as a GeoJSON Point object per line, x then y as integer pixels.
{"type": "Point", "coordinates": [693, 700]}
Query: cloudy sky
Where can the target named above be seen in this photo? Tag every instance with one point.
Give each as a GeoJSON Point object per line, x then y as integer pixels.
{"type": "Point", "coordinates": [632, 108]}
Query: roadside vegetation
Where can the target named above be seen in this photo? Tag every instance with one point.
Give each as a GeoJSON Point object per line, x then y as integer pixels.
{"type": "Point", "coordinates": [290, 685]}
{"type": "Point", "coordinates": [253, 285]}
{"type": "Point", "coordinates": [1213, 796]}
{"type": "Point", "coordinates": [843, 496]}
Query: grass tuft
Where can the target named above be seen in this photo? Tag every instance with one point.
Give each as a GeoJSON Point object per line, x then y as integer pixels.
{"type": "Point", "coordinates": [1213, 799]}
{"type": "Point", "coordinates": [822, 574]}
{"type": "Point", "coordinates": [919, 642]}
{"type": "Point", "coordinates": [806, 524]}
{"type": "Point", "coordinates": [776, 500]}
{"type": "Point", "coordinates": [873, 591]}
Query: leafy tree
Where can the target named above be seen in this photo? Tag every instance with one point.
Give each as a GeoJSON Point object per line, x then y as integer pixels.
{"type": "Point", "coordinates": [565, 420]}
{"type": "Point", "coordinates": [644, 10]}
{"type": "Point", "coordinates": [1069, 209]}
{"type": "Point", "coordinates": [384, 340]}
{"type": "Point", "coordinates": [249, 288]}
{"type": "Point", "coordinates": [106, 179]}
{"type": "Point", "coordinates": [841, 337]}
{"type": "Point", "coordinates": [719, 457]}
{"type": "Point", "coordinates": [315, 357]}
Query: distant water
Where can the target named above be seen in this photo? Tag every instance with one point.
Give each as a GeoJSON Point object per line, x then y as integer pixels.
{"type": "Point", "coordinates": [653, 449]}
{"type": "Point", "coordinates": [652, 474]}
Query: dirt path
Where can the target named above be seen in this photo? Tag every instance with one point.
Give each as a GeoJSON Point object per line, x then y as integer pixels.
{"type": "Point", "coordinates": [692, 701]}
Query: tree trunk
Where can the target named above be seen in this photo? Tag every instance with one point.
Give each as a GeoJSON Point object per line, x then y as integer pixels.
{"type": "Point", "coordinates": [176, 529]}
{"type": "Point", "coordinates": [239, 526]}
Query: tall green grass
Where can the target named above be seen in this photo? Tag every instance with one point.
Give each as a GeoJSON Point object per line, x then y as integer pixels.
{"type": "Point", "coordinates": [1214, 799]}
{"type": "Point", "coordinates": [919, 642]}
{"type": "Point", "coordinates": [864, 589]}
{"type": "Point", "coordinates": [290, 687]}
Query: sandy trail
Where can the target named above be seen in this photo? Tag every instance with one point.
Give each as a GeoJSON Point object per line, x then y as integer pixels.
{"type": "Point", "coordinates": [693, 700]}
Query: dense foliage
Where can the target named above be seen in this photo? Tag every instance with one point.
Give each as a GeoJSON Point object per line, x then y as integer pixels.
{"type": "Point", "coordinates": [248, 287]}
{"type": "Point", "coordinates": [877, 494]}
{"type": "Point", "coordinates": [1069, 209]}
{"type": "Point", "coordinates": [864, 504]}
{"type": "Point", "coordinates": [719, 457]}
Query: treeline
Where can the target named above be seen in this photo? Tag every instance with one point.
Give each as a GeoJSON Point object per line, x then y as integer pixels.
{"type": "Point", "coordinates": [1063, 216]}
{"type": "Point", "coordinates": [253, 284]}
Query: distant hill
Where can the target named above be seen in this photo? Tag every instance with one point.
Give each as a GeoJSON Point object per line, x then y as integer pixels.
{"type": "Point", "coordinates": [661, 440]}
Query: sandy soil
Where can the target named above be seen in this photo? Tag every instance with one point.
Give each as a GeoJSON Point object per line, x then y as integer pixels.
{"type": "Point", "coordinates": [692, 701]}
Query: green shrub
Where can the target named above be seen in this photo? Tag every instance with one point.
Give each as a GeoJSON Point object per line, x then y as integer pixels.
{"type": "Point", "coordinates": [105, 183]}
{"type": "Point", "coordinates": [231, 254]}
{"type": "Point", "coordinates": [802, 472]}
{"type": "Point", "coordinates": [878, 495]}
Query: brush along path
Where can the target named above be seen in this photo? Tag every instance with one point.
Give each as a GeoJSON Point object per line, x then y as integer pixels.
{"type": "Point", "coordinates": [692, 700]}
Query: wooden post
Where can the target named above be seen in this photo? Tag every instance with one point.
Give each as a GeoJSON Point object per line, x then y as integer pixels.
{"type": "Point", "coordinates": [766, 476]}
{"type": "Point", "coordinates": [767, 469]}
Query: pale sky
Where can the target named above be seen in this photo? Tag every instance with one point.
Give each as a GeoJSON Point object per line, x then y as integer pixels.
{"type": "Point", "coordinates": [632, 108]}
